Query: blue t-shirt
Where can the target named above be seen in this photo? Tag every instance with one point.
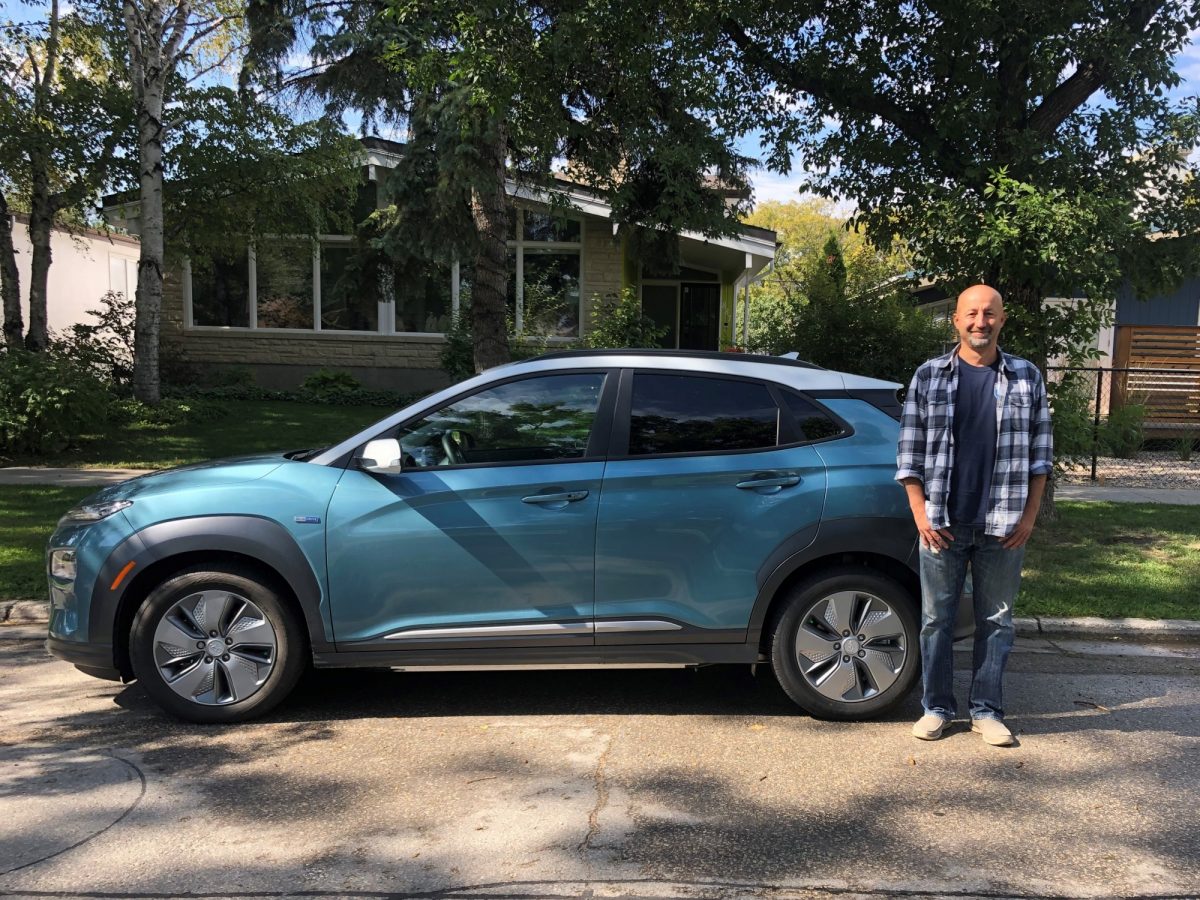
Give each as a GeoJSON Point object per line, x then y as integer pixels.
{"type": "Point", "coordinates": [974, 444]}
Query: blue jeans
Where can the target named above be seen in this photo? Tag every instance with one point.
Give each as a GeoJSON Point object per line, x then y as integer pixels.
{"type": "Point", "coordinates": [995, 578]}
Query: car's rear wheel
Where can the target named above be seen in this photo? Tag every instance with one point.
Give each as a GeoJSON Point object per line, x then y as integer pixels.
{"type": "Point", "coordinates": [216, 646]}
{"type": "Point", "coordinates": [844, 643]}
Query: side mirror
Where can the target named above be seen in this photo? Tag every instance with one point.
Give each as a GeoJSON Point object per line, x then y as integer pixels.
{"type": "Point", "coordinates": [382, 456]}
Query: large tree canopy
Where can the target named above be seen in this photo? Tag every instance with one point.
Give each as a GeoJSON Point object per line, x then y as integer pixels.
{"type": "Point", "coordinates": [493, 92]}
{"type": "Point", "coordinates": [836, 299]}
{"type": "Point", "coordinates": [1029, 144]}
{"type": "Point", "coordinates": [61, 120]}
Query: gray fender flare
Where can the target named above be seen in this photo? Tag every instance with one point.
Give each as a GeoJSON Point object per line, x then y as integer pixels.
{"type": "Point", "coordinates": [892, 538]}
{"type": "Point", "coordinates": [260, 539]}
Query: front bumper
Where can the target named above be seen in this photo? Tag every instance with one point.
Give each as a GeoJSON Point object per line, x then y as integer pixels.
{"type": "Point", "coordinates": [91, 659]}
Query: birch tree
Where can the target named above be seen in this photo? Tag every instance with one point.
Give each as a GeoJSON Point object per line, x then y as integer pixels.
{"type": "Point", "coordinates": [160, 36]}
{"type": "Point", "coordinates": [61, 121]}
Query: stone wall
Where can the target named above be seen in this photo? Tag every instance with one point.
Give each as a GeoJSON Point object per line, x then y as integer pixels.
{"type": "Point", "coordinates": [601, 263]}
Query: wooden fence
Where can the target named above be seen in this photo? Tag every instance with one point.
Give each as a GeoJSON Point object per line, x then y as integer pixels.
{"type": "Point", "coordinates": [1159, 367]}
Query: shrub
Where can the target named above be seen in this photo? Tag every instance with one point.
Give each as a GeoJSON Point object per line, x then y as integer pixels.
{"type": "Point", "coordinates": [330, 385]}
{"type": "Point", "coordinates": [1073, 420]}
{"type": "Point", "coordinates": [618, 321]}
{"type": "Point", "coordinates": [1124, 431]}
{"type": "Point", "coordinates": [105, 348]}
{"type": "Point", "coordinates": [47, 400]}
{"type": "Point", "coordinates": [458, 355]}
{"type": "Point", "coordinates": [169, 412]}
{"type": "Point", "coordinates": [1186, 446]}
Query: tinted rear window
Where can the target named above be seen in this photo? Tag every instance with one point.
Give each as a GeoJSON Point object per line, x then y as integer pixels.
{"type": "Point", "coordinates": [690, 414]}
{"type": "Point", "coordinates": [814, 423]}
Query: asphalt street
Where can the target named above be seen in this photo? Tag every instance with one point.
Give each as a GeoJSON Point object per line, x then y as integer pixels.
{"type": "Point", "coordinates": [645, 783]}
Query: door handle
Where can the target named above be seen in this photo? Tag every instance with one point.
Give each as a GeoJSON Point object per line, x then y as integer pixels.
{"type": "Point", "coordinates": [563, 497]}
{"type": "Point", "coordinates": [771, 481]}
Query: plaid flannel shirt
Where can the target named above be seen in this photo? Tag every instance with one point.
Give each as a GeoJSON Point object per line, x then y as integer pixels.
{"type": "Point", "coordinates": [1024, 442]}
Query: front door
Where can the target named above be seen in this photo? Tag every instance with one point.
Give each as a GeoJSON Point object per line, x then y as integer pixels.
{"type": "Point", "coordinates": [699, 316]}
{"type": "Point", "coordinates": [689, 313]}
{"type": "Point", "coordinates": [487, 536]}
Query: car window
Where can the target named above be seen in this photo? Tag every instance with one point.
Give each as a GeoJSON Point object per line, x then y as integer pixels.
{"type": "Point", "coordinates": [544, 418]}
{"type": "Point", "coordinates": [691, 414]}
{"type": "Point", "coordinates": [814, 423]}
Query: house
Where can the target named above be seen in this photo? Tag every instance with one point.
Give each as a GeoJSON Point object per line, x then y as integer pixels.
{"type": "Point", "coordinates": [287, 307]}
{"type": "Point", "coordinates": [85, 265]}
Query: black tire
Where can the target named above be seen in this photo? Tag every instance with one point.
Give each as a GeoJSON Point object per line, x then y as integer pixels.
{"type": "Point", "coordinates": [263, 672]}
{"type": "Point", "coordinates": [871, 597]}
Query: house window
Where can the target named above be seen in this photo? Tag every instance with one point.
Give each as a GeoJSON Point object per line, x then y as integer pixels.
{"type": "Point", "coordinates": [351, 288]}
{"type": "Point", "coordinates": [284, 281]}
{"type": "Point", "coordinates": [423, 297]}
{"type": "Point", "coordinates": [289, 283]}
{"type": "Point", "coordinates": [220, 290]}
{"type": "Point", "coordinates": [544, 274]}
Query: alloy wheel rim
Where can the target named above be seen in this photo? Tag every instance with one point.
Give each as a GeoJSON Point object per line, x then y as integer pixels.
{"type": "Point", "coordinates": [850, 646]}
{"type": "Point", "coordinates": [215, 648]}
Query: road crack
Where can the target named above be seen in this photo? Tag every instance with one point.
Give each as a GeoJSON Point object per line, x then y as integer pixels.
{"type": "Point", "coordinates": [600, 784]}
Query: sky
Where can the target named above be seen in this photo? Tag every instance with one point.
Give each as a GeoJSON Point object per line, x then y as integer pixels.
{"type": "Point", "coordinates": [767, 185]}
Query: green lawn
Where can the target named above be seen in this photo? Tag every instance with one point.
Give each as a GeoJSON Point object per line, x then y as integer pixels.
{"type": "Point", "coordinates": [27, 516]}
{"type": "Point", "coordinates": [1099, 559]}
{"type": "Point", "coordinates": [247, 427]}
{"type": "Point", "coordinates": [1115, 559]}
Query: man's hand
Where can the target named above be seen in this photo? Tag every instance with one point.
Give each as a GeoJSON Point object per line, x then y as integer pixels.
{"type": "Point", "coordinates": [933, 538]}
{"type": "Point", "coordinates": [1019, 535]}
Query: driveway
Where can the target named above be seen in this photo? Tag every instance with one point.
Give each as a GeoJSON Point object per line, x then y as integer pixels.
{"type": "Point", "coordinates": [633, 784]}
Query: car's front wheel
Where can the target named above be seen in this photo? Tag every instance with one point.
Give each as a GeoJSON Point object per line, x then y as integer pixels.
{"type": "Point", "coordinates": [844, 643]}
{"type": "Point", "coordinates": [214, 645]}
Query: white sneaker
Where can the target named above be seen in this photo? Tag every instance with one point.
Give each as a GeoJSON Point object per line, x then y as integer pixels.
{"type": "Point", "coordinates": [994, 732]}
{"type": "Point", "coordinates": [929, 727]}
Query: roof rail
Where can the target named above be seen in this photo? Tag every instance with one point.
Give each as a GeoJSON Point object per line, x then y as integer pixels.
{"type": "Point", "coordinates": [684, 354]}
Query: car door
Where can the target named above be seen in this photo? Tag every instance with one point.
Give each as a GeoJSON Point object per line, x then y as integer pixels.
{"type": "Point", "coordinates": [711, 482]}
{"type": "Point", "coordinates": [486, 535]}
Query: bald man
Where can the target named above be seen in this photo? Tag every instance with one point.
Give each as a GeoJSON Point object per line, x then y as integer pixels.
{"type": "Point", "coordinates": [975, 451]}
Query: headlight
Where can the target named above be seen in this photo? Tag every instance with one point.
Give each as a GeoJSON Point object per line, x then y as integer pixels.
{"type": "Point", "coordinates": [62, 565]}
{"type": "Point", "coordinates": [94, 513]}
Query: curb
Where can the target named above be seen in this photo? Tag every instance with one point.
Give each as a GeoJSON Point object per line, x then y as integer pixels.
{"type": "Point", "coordinates": [36, 612]}
{"type": "Point", "coordinates": [1096, 627]}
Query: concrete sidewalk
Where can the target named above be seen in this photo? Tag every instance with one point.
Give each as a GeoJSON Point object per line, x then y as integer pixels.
{"type": "Point", "coordinates": [1097, 492]}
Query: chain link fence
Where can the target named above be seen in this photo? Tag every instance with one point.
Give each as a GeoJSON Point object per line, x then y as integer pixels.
{"type": "Point", "coordinates": [1127, 427]}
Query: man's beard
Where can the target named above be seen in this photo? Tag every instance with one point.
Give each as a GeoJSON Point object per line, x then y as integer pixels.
{"type": "Point", "coordinates": [979, 341]}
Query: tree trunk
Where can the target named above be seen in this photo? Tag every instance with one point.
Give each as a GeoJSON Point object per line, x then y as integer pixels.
{"type": "Point", "coordinates": [489, 208]}
{"type": "Point", "coordinates": [41, 225]}
{"type": "Point", "coordinates": [148, 299]}
{"type": "Point", "coordinates": [10, 279]}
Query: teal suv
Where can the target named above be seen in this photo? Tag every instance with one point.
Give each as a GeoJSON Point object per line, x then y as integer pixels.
{"type": "Point", "coordinates": [581, 509]}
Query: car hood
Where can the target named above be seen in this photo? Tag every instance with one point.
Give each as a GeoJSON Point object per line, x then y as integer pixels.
{"type": "Point", "coordinates": [217, 472]}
